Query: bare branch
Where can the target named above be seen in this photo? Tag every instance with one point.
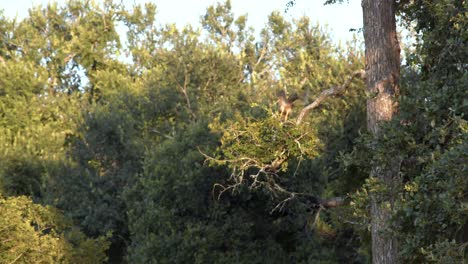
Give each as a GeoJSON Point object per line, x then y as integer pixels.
{"type": "Point", "coordinates": [260, 58]}
{"type": "Point", "coordinates": [281, 205]}
{"type": "Point", "coordinates": [317, 203]}
{"type": "Point", "coordinates": [303, 82]}
{"type": "Point", "coordinates": [330, 92]}
{"type": "Point", "coordinates": [184, 90]}
{"type": "Point", "coordinates": [224, 189]}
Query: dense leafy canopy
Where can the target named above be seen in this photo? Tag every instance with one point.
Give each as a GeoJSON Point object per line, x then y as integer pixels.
{"type": "Point", "coordinates": [169, 148]}
{"type": "Point", "coordinates": [32, 233]}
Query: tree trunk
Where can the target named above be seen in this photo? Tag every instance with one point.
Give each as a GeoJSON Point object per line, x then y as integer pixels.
{"type": "Point", "coordinates": [382, 75]}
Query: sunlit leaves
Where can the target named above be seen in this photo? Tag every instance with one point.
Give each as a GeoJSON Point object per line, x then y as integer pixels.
{"type": "Point", "coordinates": [263, 146]}
{"type": "Point", "coordinates": [32, 233]}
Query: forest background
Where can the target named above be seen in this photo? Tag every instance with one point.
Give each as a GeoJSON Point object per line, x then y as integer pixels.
{"type": "Point", "coordinates": [181, 155]}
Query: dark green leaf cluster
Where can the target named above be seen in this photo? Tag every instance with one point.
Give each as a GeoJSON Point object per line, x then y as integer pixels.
{"type": "Point", "coordinates": [433, 204]}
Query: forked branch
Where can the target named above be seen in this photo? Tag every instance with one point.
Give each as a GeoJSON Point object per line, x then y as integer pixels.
{"type": "Point", "coordinates": [330, 92]}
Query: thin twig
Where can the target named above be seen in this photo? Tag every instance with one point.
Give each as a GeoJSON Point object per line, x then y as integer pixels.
{"type": "Point", "coordinates": [281, 204]}
{"type": "Point", "coordinates": [16, 259]}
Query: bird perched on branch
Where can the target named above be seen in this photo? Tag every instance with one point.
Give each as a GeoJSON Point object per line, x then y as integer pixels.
{"type": "Point", "coordinates": [286, 104]}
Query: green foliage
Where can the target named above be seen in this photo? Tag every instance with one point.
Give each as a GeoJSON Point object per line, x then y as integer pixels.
{"type": "Point", "coordinates": [174, 214]}
{"type": "Point", "coordinates": [106, 153]}
{"type": "Point", "coordinates": [177, 215]}
{"type": "Point", "coordinates": [21, 79]}
{"type": "Point", "coordinates": [151, 151]}
{"type": "Point", "coordinates": [432, 211]}
{"type": "Point", "coordinates": [32, 233]}
{"type": "Point", "coordinates": [65, 41]}
{"type": "Point", "coordinates": [262, 148]}
{"type": "Point", "coordinates": [435, 204]}
{"type": "Point", "coordinates": [55, 50]}
{"type": "Point", "coordinates": [429, 135]}
{"type": "Point", "coordinates": [169, 199]}
{"type": "Point", "coordinates": [33, 133]}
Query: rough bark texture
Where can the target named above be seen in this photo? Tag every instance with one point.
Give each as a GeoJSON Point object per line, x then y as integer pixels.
{"type": "Point", "coordinates": [382, 74]}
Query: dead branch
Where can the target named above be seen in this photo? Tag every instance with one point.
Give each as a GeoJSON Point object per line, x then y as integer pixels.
{"type": "Point", "coordinates": [184, 90]}
{"type": "Point", "coordinates": [279, 207]}
{"type": "Point", "coordinates": [269, 170]}
{"type": "Point", "coordinates": [330, 92]}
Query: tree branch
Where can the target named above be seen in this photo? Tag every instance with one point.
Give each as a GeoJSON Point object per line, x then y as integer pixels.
{"type": "Point", "coordinates": [184, 90]}
{"type": "Point", "coordinates": [312, 201]}
{"type": "Point", "coordinates": [330, 92]}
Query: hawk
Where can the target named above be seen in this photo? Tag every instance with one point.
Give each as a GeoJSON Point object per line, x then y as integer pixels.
{"type": "Point", "coordinates": [286, 104]}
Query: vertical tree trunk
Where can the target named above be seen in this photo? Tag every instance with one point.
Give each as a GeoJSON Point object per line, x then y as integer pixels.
{"type": "Point", "coordinates": [382, 75]}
